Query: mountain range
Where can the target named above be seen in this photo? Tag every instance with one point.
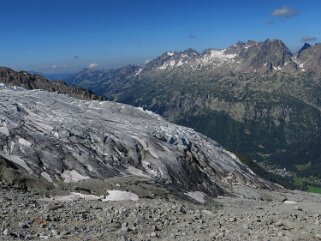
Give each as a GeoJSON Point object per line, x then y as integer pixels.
{"type": "Point", "coordinates": [255, 98]}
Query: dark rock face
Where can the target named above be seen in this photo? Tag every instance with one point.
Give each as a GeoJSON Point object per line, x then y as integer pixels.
{"type": "Point", "coordinates": [304, 47]}
{"type": "Point", "coordinates": [35, 81]}
{"type": "Point", "coordinates": [270, 54]}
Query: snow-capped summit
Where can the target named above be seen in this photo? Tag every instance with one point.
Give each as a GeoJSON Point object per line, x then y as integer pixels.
{"type": "Point", "coordinates": [252, 56]}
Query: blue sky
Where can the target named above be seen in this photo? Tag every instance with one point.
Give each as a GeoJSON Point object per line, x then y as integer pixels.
{"type": "Point", "coordinates": [66, 35]}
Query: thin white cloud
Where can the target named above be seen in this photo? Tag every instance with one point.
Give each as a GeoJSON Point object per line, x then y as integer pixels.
{"type": "Point", "coordinates": [93, 65]}
{"type": "Point", "coordinates": [308, 38]}
{"type": "Point", "coordinates": [284, 12]}
{"type": "Point", "coordinates": [56, 67]}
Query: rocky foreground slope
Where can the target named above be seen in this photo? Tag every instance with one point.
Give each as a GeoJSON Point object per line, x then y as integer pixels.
{"type": "Point", "coordinates": [160, 216]}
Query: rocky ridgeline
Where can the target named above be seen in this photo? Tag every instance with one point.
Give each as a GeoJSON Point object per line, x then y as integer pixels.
{"type": "Point", "coordinates": [35, 81]}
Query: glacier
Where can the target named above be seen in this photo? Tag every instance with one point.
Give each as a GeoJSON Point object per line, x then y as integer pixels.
{"type": "Point", "coordinates": [64, 139]}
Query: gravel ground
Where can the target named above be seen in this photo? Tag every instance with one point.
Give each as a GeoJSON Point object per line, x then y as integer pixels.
{"type": "Point", "coordinates": [252, 215]}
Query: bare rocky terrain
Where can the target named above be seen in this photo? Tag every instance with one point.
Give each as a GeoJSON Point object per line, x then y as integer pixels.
{"type": "Point", "coordinates": [35, 81]}
{"type": "Point", "coordinates": [158, 214]}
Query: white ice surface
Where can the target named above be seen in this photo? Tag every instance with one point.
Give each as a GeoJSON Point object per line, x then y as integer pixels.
{"type": "Point", "coordinates": [197, 196]}
{"type": "Point", "coordinates": [116, 195]}
{"type": "Point", "coordinates": [73, 196]}
{"type": "Point", "coordinates": [72, 176]}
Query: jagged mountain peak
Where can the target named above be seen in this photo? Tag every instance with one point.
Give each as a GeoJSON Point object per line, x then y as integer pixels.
{"type": "Point", "coordinates": [304, 47]}
{"type": "Point", "coordinates": [309, 59]}
{"type": "Point", "coordinates": [266, 56]}
{"type": "Point", "coordinates": [251, 42]}
{"type": "Point", "coordinates": [240, 44]}
{"type": "Point", "coordinates": [191, 52]}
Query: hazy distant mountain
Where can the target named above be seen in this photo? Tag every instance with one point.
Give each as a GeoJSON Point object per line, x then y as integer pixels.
{"type": "Point", "coordinates": [256, 98]}
{"type": "Point", "coordinates": [56, 76]}
{"type": "Point", "coordinates": [51, 76]}
{"type": "Point", "coordinates": [98, 80]}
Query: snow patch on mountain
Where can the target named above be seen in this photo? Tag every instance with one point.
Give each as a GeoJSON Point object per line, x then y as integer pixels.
{"type": "Point", "coordinates": [213, 57]}
{"type": "Point", "coordinates": [73, 196]}
{"type": "Point", "coordinates": [197, 196]}
{"type": "Point", "coordinates": [216, 57]}
{"type": "Point", "coordinates": [73, 176]}
{"type": "Point", "coordinates": [170, 53]}
{"type": "Point", "coordinates": [299, 63]}
{"type": "Point", "coordinates": [139, 71]}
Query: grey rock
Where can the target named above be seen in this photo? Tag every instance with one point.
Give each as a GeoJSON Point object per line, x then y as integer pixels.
{"type": "Point", "coordinates": [24, 224]}
{"type": "Point", "coordinates": [298, 208]}
{"type": "Point", "coordinates": [5, 232]}
{"type": "Point", "coordinates": [124, 227]}
{"type": "Point", "coordinates": [153, 234]}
